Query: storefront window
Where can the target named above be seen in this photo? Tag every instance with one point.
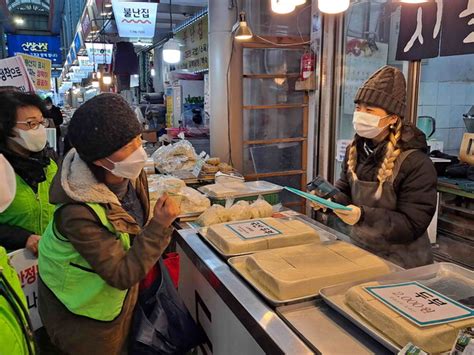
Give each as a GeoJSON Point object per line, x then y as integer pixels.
{"type": "Point", "coordinates": [446, 93]}
{"type": "Point", "coordinates": [371, 32]}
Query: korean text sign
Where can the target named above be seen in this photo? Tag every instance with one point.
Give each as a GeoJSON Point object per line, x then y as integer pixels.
{"type": "Point", "coordinates": [47, 47]}
{"type": "Point", "coordinates": [195, 50]}
{"type": "Point", "coordinates": [39, 70]}
{"type": "Point", "coordinates": [100, 53]}
{"type": "Point", "coordinates": [26, 266]}
{"type": "Point", "coordinates": [13, 72]}
{"type": "Point", "coordinates": [440, 27]}
{"type": "Point", "coordinates": [135, 19]}
{"type": "Point", "coordinates": [419, 304]}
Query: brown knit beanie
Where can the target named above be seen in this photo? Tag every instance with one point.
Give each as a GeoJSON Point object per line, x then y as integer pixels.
{"type": "Point", "coordinates": [386, 88]}
{"type": "Point", "coordinates": [101, 126]}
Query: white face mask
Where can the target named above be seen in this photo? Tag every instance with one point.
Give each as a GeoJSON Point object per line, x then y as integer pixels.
{"type": "Point", "coordinates": [367, 125]}
{"type": "Point", "coordinates": [130, 167]}
{"type": "Point", "coordinates": [8, 183]}
{"type": "Point", "coordinates": [33, 140]}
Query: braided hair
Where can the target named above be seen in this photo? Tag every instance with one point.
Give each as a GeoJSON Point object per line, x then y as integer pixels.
{"type": "Point", "coordinates": [392, 151]}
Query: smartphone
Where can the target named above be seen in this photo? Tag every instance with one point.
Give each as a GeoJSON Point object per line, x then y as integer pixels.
{"type": "Point", "coordinates": [322, 188]}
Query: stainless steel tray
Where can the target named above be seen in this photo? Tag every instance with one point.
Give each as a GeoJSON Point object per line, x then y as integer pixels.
{"type": "Point", "coordinates": [254, 188]}
{"type": "Point", "coordinates": [325, 331]}
{"type": "Point", "coordinates": [448, 279]}
{"type": "Point", "coordinates": [323, 235]}
{"type": "Point", "coordinates": [238, 264]}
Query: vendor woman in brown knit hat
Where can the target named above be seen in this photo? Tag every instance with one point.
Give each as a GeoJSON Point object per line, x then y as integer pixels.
{"type": "Point", "coordinates": [387, 178]}
{"type": "Point", "coordinates": [101, 243]}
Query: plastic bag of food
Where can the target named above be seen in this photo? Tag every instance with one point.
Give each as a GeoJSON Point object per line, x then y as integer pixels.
{"type": "Point", "coordinates": [261, 208]}
{"type": "Point", "coordinates": [193, 201]}
{"type": "Point", "coordinates": [214, 215]}
{"type": "Point", "coordinates": [240, 211]}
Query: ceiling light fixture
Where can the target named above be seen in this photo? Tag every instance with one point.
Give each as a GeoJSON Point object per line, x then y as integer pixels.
{"type": "Point", "coordinates": [283, 6]}
{"type": "Point", "coordinates": [333, 6]}
{"type": "Point", "coordinates": [243, 30]}
{"type": "Point", "coordinates": [107, 79]}
{"type": "Point", "coordinates": [171, 51]}
{"type": "Point", "coordinates": [18, 20]}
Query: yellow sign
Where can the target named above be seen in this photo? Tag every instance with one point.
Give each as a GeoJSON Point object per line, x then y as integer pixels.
{"type": "Point", "coordinates": [39, 70]}
{"type": "Point", "coordinates": [195, 52]}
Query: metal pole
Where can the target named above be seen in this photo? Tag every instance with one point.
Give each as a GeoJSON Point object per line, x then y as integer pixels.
{"type": "Point", "coordinates": [413, 90]}
{"type": "Point", "coordinates": [3, 52]}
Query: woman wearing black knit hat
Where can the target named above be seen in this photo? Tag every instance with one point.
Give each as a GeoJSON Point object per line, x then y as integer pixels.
{"type": "Point", "coordinates": [101, 242]}
{"type": "Point", "coordinates": [387, 178]}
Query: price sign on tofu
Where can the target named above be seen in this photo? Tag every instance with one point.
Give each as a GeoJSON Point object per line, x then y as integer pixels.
{"type": "Point", "coordinates": [253, 229]}
{"type": "Point", "coordinates": [420, 304]}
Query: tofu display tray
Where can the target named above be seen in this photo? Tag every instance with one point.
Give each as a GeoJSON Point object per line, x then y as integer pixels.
{"type": "Point", "coordinates": [323, 235]}
{"type": "Point", "coordinates": [249, 189]}
{"type": "Point", "coordinates": [238, 264]}
{"type": "Point", "coordinates": [448, 279]}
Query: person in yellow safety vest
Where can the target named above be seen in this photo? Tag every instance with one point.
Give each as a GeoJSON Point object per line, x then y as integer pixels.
{"type": "Point", "coordinates": [102, 241]}
{"type": "Point", "coordinates": [23, 142]}
{"type": "Point", "coordinates": [16, 336]}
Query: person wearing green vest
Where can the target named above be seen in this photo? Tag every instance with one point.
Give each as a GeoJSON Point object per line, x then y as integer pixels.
{"type": "Point", "coordinates": [102, 241]}
{"type": "Point", "coordinates": [15, 335]}
{"type": "Point", "coordinates": [23, 143]}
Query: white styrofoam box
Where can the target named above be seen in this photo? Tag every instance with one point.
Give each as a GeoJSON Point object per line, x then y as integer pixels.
{"type": "Point", "coordinates": [435, 145]}
{"type": "Point", "coordinates": [443, 114]}
{"type": "Point", "coordinates": [444, 93]}
{"type": "Point", "coordinates": [456, 118]}
{"type": "Point", "coordinates": [458, 93]}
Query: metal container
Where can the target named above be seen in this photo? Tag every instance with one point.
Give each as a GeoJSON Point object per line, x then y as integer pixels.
{"type": "Point", "coordinates": [448, 279]}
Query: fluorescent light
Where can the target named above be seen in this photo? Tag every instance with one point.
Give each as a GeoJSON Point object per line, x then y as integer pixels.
{"type": "Point", "coordinates": [333, 6]}
{"type": "Point", "coordinates": [243, 32]}
{"type": "Point", "coordinates": [152, 72]}
{"type": "Point", "coordinates": [299, 2]}
{"type": "Point", "coordinates": [107, 79]}
{"type": "Point", "coordinates": [171, 52]}
{"type": "Point", "coordinates": [283, 6]}
{"type": "Point", "coordinates": [108, 5]}
{"type": "Point", "coordinates": [18, 20]}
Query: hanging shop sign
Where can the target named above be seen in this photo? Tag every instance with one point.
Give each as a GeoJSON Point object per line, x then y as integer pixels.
{"type": "Point", "coordinates": [442, 27]}
{"type": "Point", "coordinates": [195, 50]}
{"type": "Point", "coordinates": [85, 63]}
{"type": "Point", "coordinates": [100, 53]}
{"type": "Point", "coordinates": [72, 55]}
{"type": "Point", "coordinates": [79, 72]}
{"type": "Point", "coordinates": [86, 25]}
{"type": "Point", "coordinates": [135, 19]}
{"type": "Point", "coordinates": [77, 43]}
{"type": "Point", "coordinates": [47, 47]}
{"type": "Point", "coordinates": [39, 70]}
{"type": "Point", "coordinates": [13, 72]}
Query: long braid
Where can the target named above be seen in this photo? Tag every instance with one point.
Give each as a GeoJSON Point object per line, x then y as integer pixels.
{"type": "Point", "coordinates": [352, 161]}
{"type": "Point", "coordinates": [391, 154]}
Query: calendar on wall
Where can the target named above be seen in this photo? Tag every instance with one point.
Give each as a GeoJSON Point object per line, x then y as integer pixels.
{"type": "Point", "coordinates": [362, 59]}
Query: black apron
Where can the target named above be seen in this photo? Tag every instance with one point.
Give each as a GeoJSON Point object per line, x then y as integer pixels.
{"type": "Point", "coordinates": [409, 255]}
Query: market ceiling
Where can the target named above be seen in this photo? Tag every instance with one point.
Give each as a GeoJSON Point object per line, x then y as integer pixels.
{"type": "Point", "coordinates": [38, 15]}
{"type": "Point", "coordinates": [181, 11]}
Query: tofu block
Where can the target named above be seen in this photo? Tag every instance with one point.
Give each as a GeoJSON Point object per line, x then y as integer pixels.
{"type": "Point", "coordinates": [233, 238]}
{"type": "Point", "coordinates": [433, 339]}
{"type": "Point", "coordinates": [303, 270]}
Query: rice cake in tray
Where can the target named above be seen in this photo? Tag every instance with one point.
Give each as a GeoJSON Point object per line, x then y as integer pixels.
{"type": "Point", "coordinates": [301, 271]}
{"type": "Point", "coordinates": [260, 234]}
{"type": "Point", "coordinates": [432, 339]}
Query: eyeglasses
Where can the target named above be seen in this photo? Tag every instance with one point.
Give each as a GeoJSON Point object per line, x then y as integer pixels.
{"type": "Point", "coordinates": [35, 124]}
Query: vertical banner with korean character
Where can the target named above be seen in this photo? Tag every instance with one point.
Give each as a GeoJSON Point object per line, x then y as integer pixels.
{"type": "Point", "coordinates": [439, 27]}
{"type": "Point", "coordinates": [195, 50]}
{"type": "Point", "coordinates": [26, 266]}
{"type": "Point", "coordinates": [39, 70]}
{"type": "Point", "coordinates": [13, 72]}
{"type": "Point", "coordinates": [135, 19]}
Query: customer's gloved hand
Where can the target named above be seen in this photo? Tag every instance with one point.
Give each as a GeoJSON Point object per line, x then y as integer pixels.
{"type": "Point", "coordinates": [349, 217]}
{"type": "Point", "coordinates": [316, 206]}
